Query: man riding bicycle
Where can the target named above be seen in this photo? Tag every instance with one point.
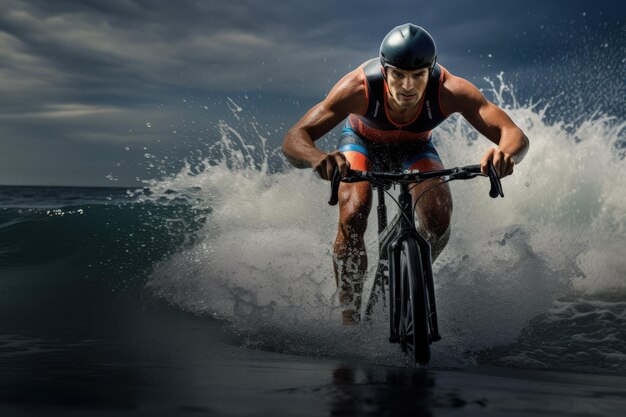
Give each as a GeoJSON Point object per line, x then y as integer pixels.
{"type": "Point", "coordinates": [392, 104]}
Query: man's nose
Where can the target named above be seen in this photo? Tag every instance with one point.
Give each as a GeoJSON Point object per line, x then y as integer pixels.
{"type": "Point", "coordinates": [408, 83]}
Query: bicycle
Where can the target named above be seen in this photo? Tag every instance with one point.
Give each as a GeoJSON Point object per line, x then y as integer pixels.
{"type": "Point", "coordinates": [405, 262]}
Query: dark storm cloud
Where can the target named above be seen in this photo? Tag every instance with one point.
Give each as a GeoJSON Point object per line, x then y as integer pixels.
{"type": "Point", "coordinates": [147, 47]}
{"type": "Point", "coordinates": [89, 71]}
{"type": "Point", "coordinates": [139, 49]}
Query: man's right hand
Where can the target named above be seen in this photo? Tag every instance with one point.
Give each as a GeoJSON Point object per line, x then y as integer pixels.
{"type": "Point", "coordinates": [325, 166]}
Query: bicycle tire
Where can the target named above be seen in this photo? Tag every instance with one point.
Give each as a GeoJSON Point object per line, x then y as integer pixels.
{"type": "Point", "coordinates": [394, 295]}
{"type": "Point", "coordinates": [413, 326]}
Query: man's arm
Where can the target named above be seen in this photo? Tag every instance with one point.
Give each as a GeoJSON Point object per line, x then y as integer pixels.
{"type": "Point", "coordinates": [349, 95]}
{"type": "Point", "coordinates": [459, 95]}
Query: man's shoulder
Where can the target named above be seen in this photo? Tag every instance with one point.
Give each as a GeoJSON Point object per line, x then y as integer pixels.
{"type": "Point", "coordinates": [355, 81]}
{"type": "Point", "coordinates": [350, 92]}
{"type": "Point", "coordinates": [456, 92]}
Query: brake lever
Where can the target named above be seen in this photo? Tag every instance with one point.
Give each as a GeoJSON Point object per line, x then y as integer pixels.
{"type": "Point", "coordinates": [334, 188]}
{"type": "Point", "coordinates": [496, 185]}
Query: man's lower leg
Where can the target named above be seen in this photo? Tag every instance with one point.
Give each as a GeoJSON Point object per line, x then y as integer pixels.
{"type": "Point", "coordinates": [350, 265]}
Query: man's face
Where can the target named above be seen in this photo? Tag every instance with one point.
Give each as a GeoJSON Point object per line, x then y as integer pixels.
{"type": "Point", "coordinates": [406, 87]}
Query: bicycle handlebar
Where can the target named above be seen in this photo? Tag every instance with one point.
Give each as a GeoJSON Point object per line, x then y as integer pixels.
{"type": "Point", "coordinates": [458, 173]}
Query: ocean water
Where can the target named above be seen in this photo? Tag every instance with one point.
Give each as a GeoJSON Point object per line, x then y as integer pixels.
{"type": "Point", "coordinates": [210, 290]}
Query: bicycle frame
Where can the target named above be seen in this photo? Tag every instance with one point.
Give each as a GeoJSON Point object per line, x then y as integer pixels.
{"type": "Point", "coordinates": [395, 238]}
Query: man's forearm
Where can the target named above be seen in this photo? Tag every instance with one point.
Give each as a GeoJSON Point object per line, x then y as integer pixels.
{"type": "Point", "coordinates": [300, 150]}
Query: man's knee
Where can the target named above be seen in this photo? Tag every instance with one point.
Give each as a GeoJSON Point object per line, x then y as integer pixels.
{"type": "Point", "coordinates": [354, 209]}
{"type": "Point", "coordinates": [437, 223]}
{"type": "Point", "coordinates": [435, 212]}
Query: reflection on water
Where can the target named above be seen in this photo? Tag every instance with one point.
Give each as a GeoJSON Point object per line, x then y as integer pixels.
{"type": "Point", "coordinates": [391, 391]}
{"type": "Point", "coordinates": [394, 391]}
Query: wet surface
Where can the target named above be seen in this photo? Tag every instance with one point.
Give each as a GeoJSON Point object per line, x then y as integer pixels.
{"type": "Point", "coordinates": [176, 364]}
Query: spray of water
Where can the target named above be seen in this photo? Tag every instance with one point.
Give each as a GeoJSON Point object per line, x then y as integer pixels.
{"type": "Point", "coordinates": [263, 262]}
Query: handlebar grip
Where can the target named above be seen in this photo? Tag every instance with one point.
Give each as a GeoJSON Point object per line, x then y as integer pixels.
{"type": "Point", "coordinates": [334, 188]}
{"type": "Point", "coordinates": [496, 185]}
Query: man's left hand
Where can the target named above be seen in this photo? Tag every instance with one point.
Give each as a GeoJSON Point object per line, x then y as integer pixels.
{"type": "Point", "coordinates": [502, 162]}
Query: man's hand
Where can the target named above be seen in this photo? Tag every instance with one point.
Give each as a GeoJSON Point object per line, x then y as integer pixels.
{"type": "Point", "coordinates": [502, 162]}
{"type": "Point", "coordinates": [326, 165]}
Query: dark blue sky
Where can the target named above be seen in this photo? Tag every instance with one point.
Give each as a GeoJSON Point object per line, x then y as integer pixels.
{"type": "Point", "coordinates": [85, 86]}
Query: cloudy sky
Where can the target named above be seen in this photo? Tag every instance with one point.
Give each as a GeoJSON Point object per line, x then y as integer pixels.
{"type": "Point", "coordinates": [88, 88]}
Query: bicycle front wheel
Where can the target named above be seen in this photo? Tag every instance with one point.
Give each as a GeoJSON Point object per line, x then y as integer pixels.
{"type": "Point", "coordinates": [413, 331]}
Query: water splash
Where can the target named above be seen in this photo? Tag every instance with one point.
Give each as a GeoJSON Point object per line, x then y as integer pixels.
{"type": "Point", "coordinates": [263, 262]}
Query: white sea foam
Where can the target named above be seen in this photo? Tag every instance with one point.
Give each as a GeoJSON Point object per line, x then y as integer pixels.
{"type": "Point", "coordinates": [263, 260]}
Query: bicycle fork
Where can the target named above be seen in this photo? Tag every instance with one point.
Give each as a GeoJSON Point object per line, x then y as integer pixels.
{"type": "Point", "coordinates": [407, 228]}
{"type": "Point", "coordinates": [425, 253]}
{"type": "Point", "coordinates": [390, 240]}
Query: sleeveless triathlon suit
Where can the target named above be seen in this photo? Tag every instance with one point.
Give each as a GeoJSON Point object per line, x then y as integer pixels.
{"type": "Point", "coordinates": [372, 141]}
